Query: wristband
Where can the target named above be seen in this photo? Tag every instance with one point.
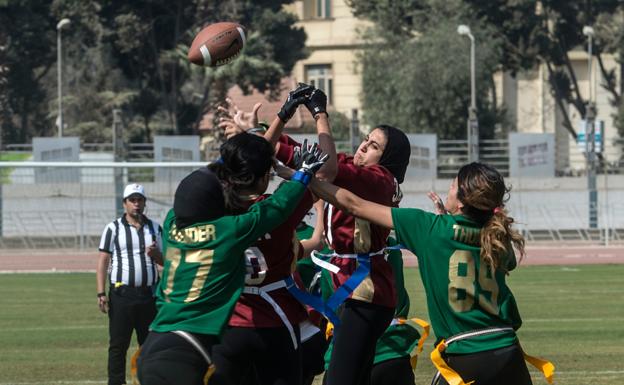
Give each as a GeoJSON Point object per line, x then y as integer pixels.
{"type": "Point", "coordinates": [101, 294]}
{"type": "Point", "coordinates": [302, 177]}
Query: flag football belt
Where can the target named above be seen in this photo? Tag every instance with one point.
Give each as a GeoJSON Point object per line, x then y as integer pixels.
{"type": "Point", "coordinates": [328, 308]}
{"type": "Point", "coordinates": [200, 349]}
{"type": "Point", "coordinates": [453, 378]}
{"type": "Point", "coordinates": [263, 291]}
{"type": "Point", "coordinates": [414, 322]}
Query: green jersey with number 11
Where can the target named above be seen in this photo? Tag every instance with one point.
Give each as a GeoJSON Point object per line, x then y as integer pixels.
{"type": "Point", "coordinates": [462, 294]}
{"type": "Point", "coordinates": [204, 269]}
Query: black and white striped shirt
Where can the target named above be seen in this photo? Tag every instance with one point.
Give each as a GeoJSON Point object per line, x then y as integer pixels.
{"type": "Point", "coordinates": [130, 265]}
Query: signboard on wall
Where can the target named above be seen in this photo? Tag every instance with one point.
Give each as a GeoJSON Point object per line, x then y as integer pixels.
{"type": "Point", "coordinates": [531, 155]}
{"type": "Point", "coordinates": [56, 150]}
{"type": "Point", "coordinates": [423, 159]}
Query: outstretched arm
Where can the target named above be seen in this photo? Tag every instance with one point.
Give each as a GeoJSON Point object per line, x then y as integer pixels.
{"type": "Point", "coordinates": [316, 103]}
{"type": "Point", "coordinates": [315, 242]}
{"type": "Point", "coordinates": [345, 200]}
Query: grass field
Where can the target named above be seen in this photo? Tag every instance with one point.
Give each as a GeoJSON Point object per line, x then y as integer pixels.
{"type": "Point", "coordinates": [51, 331]}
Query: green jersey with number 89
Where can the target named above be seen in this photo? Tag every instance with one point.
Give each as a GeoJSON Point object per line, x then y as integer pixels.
{"type": "Point", "coordinates": [204, 268]}
{"type": "Point", "coordinates": [462, 294]}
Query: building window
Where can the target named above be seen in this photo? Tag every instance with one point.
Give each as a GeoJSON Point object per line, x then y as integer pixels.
{"type": "Point", "coordinates": [317, 9]}
{"type": "Point", "coordinates": [320, 76]}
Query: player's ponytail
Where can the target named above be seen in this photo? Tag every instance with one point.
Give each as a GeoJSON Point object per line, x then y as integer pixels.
{"type": "Point", "coordinates": [482, 191]}
{"type": "Point", "coordinates": [245, 159]}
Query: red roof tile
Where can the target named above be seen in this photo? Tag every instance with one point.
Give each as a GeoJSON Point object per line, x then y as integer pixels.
{"type": "Point", "coordinates": [298, 124]}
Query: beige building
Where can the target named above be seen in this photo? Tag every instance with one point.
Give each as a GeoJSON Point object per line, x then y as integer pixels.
{"type": "Point", "coordinates": [333, 42]}
{"type": "Point", "coordinates": [332, 66]}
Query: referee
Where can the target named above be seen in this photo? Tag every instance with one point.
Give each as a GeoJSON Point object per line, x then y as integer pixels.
{"type": "Point", "coordinates": [130, 249]}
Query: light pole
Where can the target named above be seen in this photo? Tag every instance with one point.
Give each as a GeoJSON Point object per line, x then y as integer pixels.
{"type": "Point", "coordinates": [590, 134]}
{"type": "Point", "coordinates": [473, 123]}
{"type": "Point", "coordinates": [59, 62]}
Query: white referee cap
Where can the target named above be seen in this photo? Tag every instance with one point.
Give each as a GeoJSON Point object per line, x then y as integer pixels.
{"type": "Point", "coordinates": [134, 189]}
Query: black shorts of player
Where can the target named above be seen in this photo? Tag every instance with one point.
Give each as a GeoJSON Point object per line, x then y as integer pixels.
{"type": "Point", "coordinates": [264, 356]}
{"type": "Point", "coordinates": [355, 341]}
{"type": "Point", "coordinates": [491, 367]}
{"type": "Point", "coordinates": [313, 355]}
{"type": "Point", "coordinates": [167, 359]}
{"type": "Point", "coordinates": [397, 371]}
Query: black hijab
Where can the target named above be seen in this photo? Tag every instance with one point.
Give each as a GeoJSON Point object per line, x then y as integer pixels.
{"type": "Point", "coordinates": [396, 155]}
{"type": "Point", "coordinates": [198, 198]}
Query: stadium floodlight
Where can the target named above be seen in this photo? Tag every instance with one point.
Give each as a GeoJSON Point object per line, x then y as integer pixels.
{"type": "Point", "coordinates": [473, 123]}
{"type": "Point", "coordinates": [59, 61]}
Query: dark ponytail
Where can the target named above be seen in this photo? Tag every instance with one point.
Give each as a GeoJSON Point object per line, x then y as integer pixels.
{"type": "Point", "coordinates": [245, 159]}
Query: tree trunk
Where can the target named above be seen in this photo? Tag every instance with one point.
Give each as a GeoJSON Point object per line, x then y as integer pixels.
{"type": "Point", "coordinates": [610, 85]}
{"type": "Point", "coordinates": [559, 99]}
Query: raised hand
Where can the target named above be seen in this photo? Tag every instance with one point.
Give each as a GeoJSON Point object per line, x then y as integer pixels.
{"type": "Point", "coordinates": [295, 98]}
{"type": "Point", "coordinates": [309, 159]}
{"type": "Point", "coordinates": [229, 127]}
{"type": "Point", "coordinates": [244, 119]}
{"type": "Point", "coordinates": [438, 204]}
{"type": "Point", "coordinates": [316, 102]}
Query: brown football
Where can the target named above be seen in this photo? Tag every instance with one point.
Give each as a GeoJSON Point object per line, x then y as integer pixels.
{"type": "Point", "coordinates": [217, 44]}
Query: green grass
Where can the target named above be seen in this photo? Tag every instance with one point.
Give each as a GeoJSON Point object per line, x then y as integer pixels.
{"type": "Point", "coordinates": [52, 331]}
{"type": "Point", "coordinates": [10, 157]}
{"type": "Point", "coordinates": [572, 316]}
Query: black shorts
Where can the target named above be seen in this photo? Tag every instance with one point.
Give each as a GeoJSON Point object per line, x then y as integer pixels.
{"type": "Point", "coordinates": [168, 359]}
{"type": "Point", "coordinates": [266, 354]}
{"type": "Point", "coordinates": [491, 367]}
{"type": "Point", "coordinates": [397, 371]}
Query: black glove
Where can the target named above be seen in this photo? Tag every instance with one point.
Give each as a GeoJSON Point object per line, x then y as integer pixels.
{"type": "Point", "coordinates": [295, 98]}
{"type": "Point", "coordinates": [308, 160]}
{"type": "Point", "coordinates": [316, 102]}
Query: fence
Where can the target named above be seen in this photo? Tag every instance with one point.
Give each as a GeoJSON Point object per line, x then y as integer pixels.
{"type": "Point", "coordinates": [451, 155]}
{"type": "Point", "coordinates": [72, 212]}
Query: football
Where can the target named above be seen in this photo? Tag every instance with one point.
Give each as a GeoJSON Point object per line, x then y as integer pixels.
{"type": "Point", "coordinates": [217, 44]}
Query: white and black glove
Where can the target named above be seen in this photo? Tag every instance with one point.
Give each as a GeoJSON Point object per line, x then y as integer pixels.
{"type": "Point", "coordinates": [308, 160]}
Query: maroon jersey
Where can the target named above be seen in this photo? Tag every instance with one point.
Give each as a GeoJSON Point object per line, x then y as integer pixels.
{"type": "Point", "coordinates": [271, 259]}
{"type": "Point", "coordinates": [347, 235]}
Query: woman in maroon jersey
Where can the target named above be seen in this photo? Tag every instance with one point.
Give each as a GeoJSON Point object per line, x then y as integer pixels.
{"type": "Point", "coordinates": [262, 342]}
{"type": "Point", "coordinates": [373, 173]}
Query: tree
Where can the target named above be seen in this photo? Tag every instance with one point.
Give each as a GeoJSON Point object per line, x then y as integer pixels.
{"type": "Point", "coordinates": [610, 37]}
{"type": "Point", "coordinates": [151, 38]}
{"type": "Point", "coordinates": [29, 40]}
{"type": "Point", "coordinates": [132, 55]}
{"type": "Point", "coordinates": [546, 32]}
{"type": "Point", "coordinates": [415, 67]}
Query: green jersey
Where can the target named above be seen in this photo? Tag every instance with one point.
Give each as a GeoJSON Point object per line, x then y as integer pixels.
{"type": "Point", "coordinates": [204, 268]}
{"type": "Point", "coordinates": [399, 340]}
{"type": "Point", "coordinates": [462, 294]}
